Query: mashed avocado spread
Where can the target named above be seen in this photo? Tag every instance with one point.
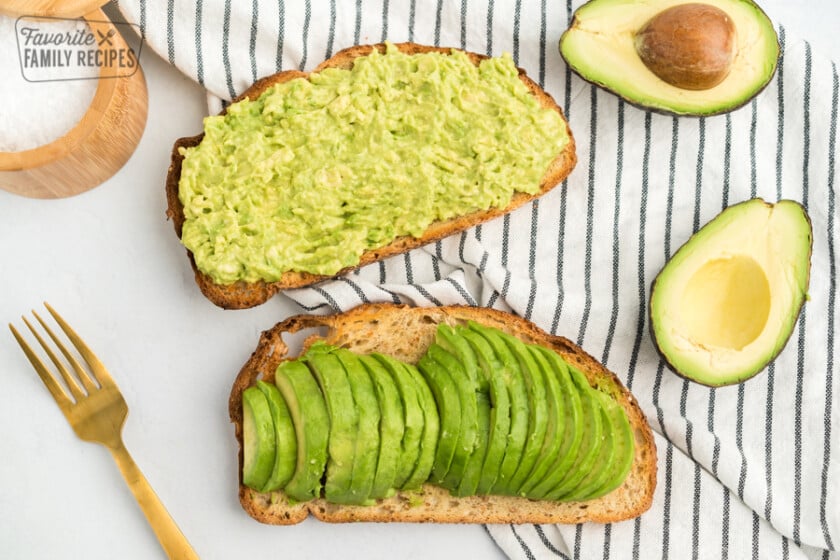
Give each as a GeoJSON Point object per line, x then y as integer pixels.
{"type": "Point", "coordinates": [316, 171]}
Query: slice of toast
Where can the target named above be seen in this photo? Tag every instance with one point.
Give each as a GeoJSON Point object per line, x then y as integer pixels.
{"type": "Point", "coordinates": [405, 333]}
{"type": "Point", "coordinates": [241, 295]}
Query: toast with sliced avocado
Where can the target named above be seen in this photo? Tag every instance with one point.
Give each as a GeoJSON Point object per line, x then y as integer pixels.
{"type": "Point", "coordinates": [379, 150]}
{"type": "Point", "coordinates": [563, 465]}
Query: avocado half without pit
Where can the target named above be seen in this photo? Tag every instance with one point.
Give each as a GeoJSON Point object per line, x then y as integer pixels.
{"type": "Point", "coordinates": [683, 58]}
{"type": "Point", "coordinates": [725, 305]}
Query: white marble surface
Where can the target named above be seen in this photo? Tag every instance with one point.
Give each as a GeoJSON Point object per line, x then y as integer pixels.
{"type": "Point", "coordinates": [110, 262]}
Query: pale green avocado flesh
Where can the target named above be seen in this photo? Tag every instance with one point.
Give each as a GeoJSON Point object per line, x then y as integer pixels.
{"type": "Point", "coordinates": [513, 378]}
{"type": "Point", "coordinates": [449, 409]}
{"type": "Point", "coordinates": [316, 171]}
{"type": "Point", "coordinates": [468, 485]}
{"type": "Point", "coordinates": [366, 455]}
{"type": "Point", "coordinates": [592, 426]}
{"type": "Point", "coordinates": [334, 382]}
{"type": "Point", "coordinates": [499, 429]}
{"type": "Point", "coordinates": [413, 420]}
{"type": "Point", "coordinates": [391, 427]}
{"type": "Point", "coordinates": [258, 430]}
{"type": "Point", "coordinates": [563, 438]}
{"type": "Point", "coordinates": [431, 431]}
{"type": "Point", "coordinates": [312, 428]}
{"type": "Point", "coordinates": [595, 478]}
{"type": "Point", "coordinates": [538, 412]}
{"type": "Point", "coordinates": [726, 303]}
{"type": "Point", "coordinates": [623, 438]}
{"type": "Point", "coordinates": [467, 432]}
{"type": "Point", "coordinates": [599, 45]}
{"type": "Point", "coordinates": [482, 413]}
{"type": "Point", "coordinates": [474, 388]}
{"type": "Point", "coordinates": [284, 435]}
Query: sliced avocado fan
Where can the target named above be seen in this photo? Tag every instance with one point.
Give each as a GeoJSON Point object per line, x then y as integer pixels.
{"type": "Point", "coordinates": [482, 413]}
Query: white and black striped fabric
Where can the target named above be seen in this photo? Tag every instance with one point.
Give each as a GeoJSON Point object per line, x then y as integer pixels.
{"type": "Point", "coordinates": [748, 471]}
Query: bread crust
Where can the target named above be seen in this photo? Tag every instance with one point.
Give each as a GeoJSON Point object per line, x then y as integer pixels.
{"type": "Point", "coordinates": [405, 333]}
{"type": "Point", "coordinates": [242, 295]}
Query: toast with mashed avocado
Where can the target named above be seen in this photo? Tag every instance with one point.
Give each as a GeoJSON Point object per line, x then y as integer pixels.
{"type": "Point", "coordinates": [609, 477]}
{"type": "Point", "coordinates": [381, 149]}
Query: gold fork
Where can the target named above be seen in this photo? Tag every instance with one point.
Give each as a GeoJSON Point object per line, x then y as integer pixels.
{"type": "Point", "coordinates": [96, 410]}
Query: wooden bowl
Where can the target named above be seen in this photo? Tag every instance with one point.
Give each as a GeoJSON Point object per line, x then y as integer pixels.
{"type": "Point", "coordinates": [96, 148]}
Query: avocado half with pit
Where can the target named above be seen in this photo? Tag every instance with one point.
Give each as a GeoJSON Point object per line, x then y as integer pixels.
{"type": "Point", "coordinates": [725, 305]}
{"type": "Point", "coordinates": [672, 56]}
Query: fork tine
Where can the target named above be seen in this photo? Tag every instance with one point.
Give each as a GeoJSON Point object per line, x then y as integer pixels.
{"type": "Point", "coordinates": [96, 367]}
{"type": "Point", "coordinates": [69, 379]}
{"type": "Point", "coordinates": [64, 402]}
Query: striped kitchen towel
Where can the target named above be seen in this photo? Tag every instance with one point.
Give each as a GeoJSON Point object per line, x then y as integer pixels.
{"type": "Point", "coordinates": [747, 471]}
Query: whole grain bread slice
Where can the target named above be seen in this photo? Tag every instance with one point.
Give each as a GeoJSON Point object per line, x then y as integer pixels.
{"type": "Point", "coordinates": [241, 295]}
{"type": "Point", "coordinates": [405, 333]}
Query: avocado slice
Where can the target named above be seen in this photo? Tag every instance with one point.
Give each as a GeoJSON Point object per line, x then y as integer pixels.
{"type": "Point", "coordinates": [602, 467]}
{"type": "Point", "coordinates": [726, 303]}
{"type": "Point", "coordinates": [449, 337]}
{"type": "Point", "coordinates": [284, 432]}
{"type": "Point", "coordinates": [656, 54]}
{"type": "Point", "coordinates": [366, 437]}
{"type": "Point", "coordinates": [449, 408]}
{"type": "Point", "coordinates": [591, 442]}
{"type": "Point", "coordinates": [451, 340]}
{"type": "Point", "coordinates": [625, 450]}
{"type": "Point", "coordinates": [258, 440]}
{"type": "Point", "coordinates": [333, 379]}
{"type": "Point", "coordinates": [543, 480]}
{"type": "Point", "coordinates": [563, 427]}
{"type": "Point", "coordinates": [538, 419]}
{"type": "Point", "coordinates": [391, 428]}
{"type": "Point", "coordinates": [519, 407]}
{"type": "Point", "coordinates": [409, 449]}
{"type": "Point", "coordinates": [472, 471]}
{"type": "Point", "coordinates": [499, 410]}
{"type": "Point", "coordinates": [465, 446]}
{"type": "Point", "coordinates": [312, 428]}
{"type": "Point", "coordinates": [431, 431]}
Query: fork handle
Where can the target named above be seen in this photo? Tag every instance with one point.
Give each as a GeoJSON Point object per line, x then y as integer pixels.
{"type": "Point", "coordinates": [171, 538]}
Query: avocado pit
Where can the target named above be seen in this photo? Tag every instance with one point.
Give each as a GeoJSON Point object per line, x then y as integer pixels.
{"type": "Point", "coordinates": [690, 46]}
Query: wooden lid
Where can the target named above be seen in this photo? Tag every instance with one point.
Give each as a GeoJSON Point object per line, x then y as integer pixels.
{"type": "Point", "coordinates": [53, 8]}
